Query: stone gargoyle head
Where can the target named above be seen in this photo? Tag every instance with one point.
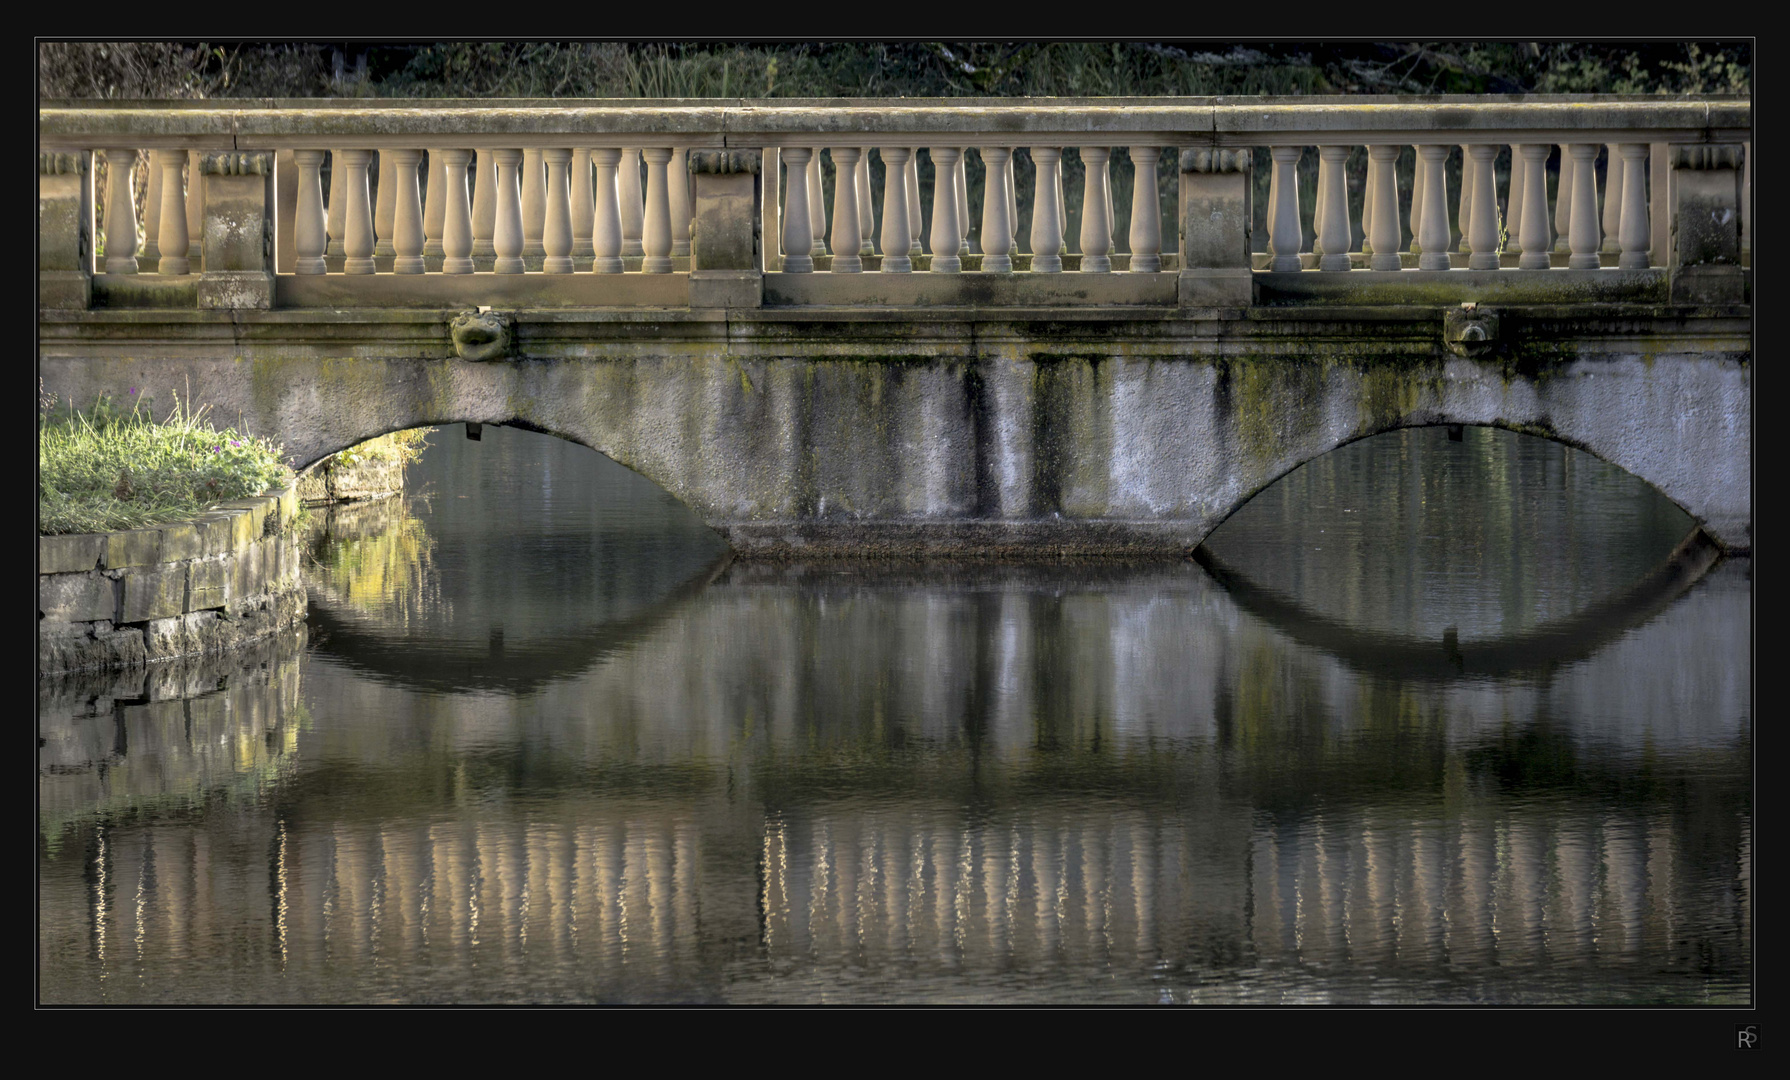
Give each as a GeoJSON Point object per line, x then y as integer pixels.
{"type": "Point", "coordinates": [480, 335]}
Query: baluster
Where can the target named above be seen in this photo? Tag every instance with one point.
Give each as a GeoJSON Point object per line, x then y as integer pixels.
{"type": "Point", "coordinates": [1318, 208]}
{"type": "Point", "coordinates": [1368, 195]}
{"type": "Point", "coordinates": [385, 208]}
{"type": "Point", "coordinates": [556, 226]}
{"type": "Point", "coordinates": [121, 211]}
{"type": "Point", "coordinates": [1534, 225]}
{"type": "Point", "coordinates": [997, 232]}
{"type": "Point", "coordinates": [1614, 178]}
{"type": "Point", "coordinates": [963, 200]}
{"type": "Point", "coordinates": [195, 208]}
{"type": "Point", "coordinates": [335, 223]}
{"type": "Point", "coordinates": [1062, 211]}
{"type": "Point", "coordinates": [1096, 231]}
{"type": "Point", "coordinates": [1465, 216]}
{"type": "Point", "coordinates": [1513, 214]}
{"type": "Point", "coordinates": [817, 207]}
{"type": "Point", "coordinates": [627, 191]}
{"type": "Point", "coordinates": [657, 241]}
{"type": "Point", "coordinates": [677, 179]}
{"type": "Point", "coordinates": [1047, 238]}
{"type": "Point", "coordinates": [1146, 212]}
{"type": "Point", "coordinates": [846, 257]}
{"type": "Point", "coordinates": [1586, 236]}
{"type": "Point", "coordinates": [1284, 237]}
{"type": "Point", "coordinates": [434, 209]}
{"type": "Point", "coordinates": [508, 233]}
{"type": "Point", "coordinates": [1485, 210]}
{"type": "Point", "coordinates": [152, 209]}
{"type": "Point", "coordinates": [1334, 197]}
{"type": "Point", "coordinates": [312, 231]}
{"type": "Point", "coordinates": [357, 212]}
{"type": "Point", "coordinates": [798, 245]}
{"type": "Point", "coordinates": [407, 211]}
{"type": "Point", "coordinates": [606, 223]}
{"type": "Point", "coordinates": [534, 204]}
{"type": "Point", "coordinates": [484, 206]}
{"type": "Point", "coordinates": [896, 259]}
{"type": "Point", "coordinates": [1012, 209]}
{"type": "Point", "coordinates": [866, 211]}
{"type": "Point", "coordinates": [1563, 204]}
{"type": "Point", "coordinates": [1636, 235]}
{"type": "Point", "coordinates": [915, 219]}
{"type": "Point", "coordinates": [1435, 208]}
{"type": "Point", "coordinates": [456, 225]}
{"type": "Point", "coordinates": [946, 236]}
{"type": "Point", "coordinates": [1418, 183]}
{"type": "Point", "coordinates": [584, 206]}
{"type": "Point", "coordinates": [1383, 161]}
{"type": "Point", "coordinates": [173, 213]}
{"type": "Point", "coordinates": [1112, 226]}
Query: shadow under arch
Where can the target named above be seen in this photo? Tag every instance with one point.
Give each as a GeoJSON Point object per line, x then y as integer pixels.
{"type": "Point", "coordinates": [1536, 651]}
{"type": "Point", "coordinates": [1530, 430]}
{"type": "Point", "coordinates": [388, 427]}
{"type": "Point", "coordinates": [581, 634]}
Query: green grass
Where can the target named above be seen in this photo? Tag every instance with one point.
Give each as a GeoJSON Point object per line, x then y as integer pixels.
{"type": "Point", "coordinates": [105, 469]}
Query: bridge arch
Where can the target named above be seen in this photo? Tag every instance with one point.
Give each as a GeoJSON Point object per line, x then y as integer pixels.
{"type": "Point", "coordinates": [1286, 467]}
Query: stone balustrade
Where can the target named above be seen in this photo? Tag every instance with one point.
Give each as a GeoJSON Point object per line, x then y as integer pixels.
{"type": "Point", "coordinates": [693, 204]}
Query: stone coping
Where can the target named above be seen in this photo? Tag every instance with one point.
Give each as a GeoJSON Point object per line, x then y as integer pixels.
{"type": "Point", "coordinates": [388, 124]}
{"type": "Point", "coordinates": [217, 530]}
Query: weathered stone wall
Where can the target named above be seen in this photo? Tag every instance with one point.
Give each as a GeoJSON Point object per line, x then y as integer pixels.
{"type": "Point", "coordinates": [344, 482]}
{"type": "Point", "coordinates": [122, 599]}
{"type": "Point", "coordinates": [1092, 432]}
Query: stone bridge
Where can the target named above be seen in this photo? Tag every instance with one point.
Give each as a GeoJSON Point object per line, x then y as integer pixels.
{"type": "Point", "coordinates": [1080, 326]}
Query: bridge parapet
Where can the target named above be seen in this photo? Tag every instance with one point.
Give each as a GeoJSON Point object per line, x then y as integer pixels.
{"type": "Point", "coordinates": [706, 204]}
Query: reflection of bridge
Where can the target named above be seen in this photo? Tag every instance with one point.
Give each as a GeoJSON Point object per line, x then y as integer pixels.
{"type": "Point", "coordinates": [1094, 389]}
{"type": "Point", "coordinates": [634, 897]}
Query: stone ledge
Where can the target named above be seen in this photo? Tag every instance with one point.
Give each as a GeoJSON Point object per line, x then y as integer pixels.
{"type": "Point", "coordinates": [130, 596]}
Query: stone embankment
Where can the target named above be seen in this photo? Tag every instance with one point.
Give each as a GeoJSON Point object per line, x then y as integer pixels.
{"type": "Point", "coordinates": [333, 481]}
{"type": "Point", "coordinates": [121, 599]}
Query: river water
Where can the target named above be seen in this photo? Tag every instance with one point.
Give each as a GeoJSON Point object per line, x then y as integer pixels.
{"type": "Point", "coordinates": [1428, 721]}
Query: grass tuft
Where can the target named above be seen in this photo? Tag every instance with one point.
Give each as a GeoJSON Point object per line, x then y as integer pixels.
{"type": "Point", "coordinates": [105, 469]}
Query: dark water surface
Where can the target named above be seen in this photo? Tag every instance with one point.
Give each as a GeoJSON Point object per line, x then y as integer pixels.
{"type": "Point", "coordinates": [1429, 721]}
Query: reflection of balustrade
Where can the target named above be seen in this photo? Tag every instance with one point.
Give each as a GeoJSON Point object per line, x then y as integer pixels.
{"type": "Point", "coordinates": [403, 225]}
{"type": "Point", "coordinates": [615, 892]}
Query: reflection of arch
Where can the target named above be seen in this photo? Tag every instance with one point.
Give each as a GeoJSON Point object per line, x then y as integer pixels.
{"type": "Point", "coordinates": [1532, 430]}
{"type": "Point", "coordinates": [1562, 641]}
{"type": "Point", "coordinates": [337, 632]}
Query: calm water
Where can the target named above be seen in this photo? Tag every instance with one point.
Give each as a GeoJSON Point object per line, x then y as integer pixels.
{"type": "Point", "coordinates": [1429, 721]}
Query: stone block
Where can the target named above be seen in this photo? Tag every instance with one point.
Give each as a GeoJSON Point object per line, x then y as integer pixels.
{"type": "Point", "coordinates": [236, 289]}
{"type": "Point", "coordinates": [727, 289]}
{"type": "Point", "coordinates": [216, 532]}
{"type": "Point", "coordinates": [180, 541]}
{"type": "Point", "coordinates": [246, 576]}
{"type": "Point", "coordinates": [64, 290]}
{"type": "Point", "coordinates": [152, 594]}
{"type": "Point", "coordinates": [133, 547]}
{"type": "Point", "coordinates": [257, 510]}
{"type": "Point", "coordinates": [1215, 288]}
{"type": "Point", "coordinates": [77, 598]}
{"type": "Point", "coordinates": [723, 213]}
{"type": "Point", "coordinates": [71, 553]}
{"type": "Point", "coordinates": [207, 584]}
{"type": "Point", "coordinates": [288, 500]}
{"type": "Point", "coordinates": [164, 638]}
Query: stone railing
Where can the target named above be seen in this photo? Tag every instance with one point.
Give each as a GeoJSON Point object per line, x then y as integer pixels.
{"type": "Point", "coordinates": [120, 599]}
{"type": "Point", "coordinates": [544, 204]}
